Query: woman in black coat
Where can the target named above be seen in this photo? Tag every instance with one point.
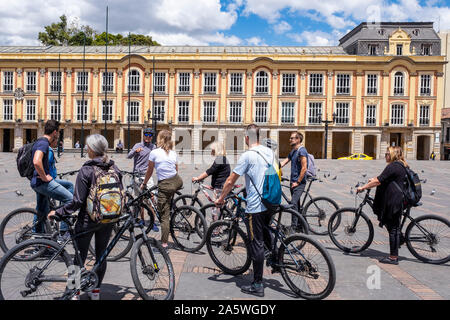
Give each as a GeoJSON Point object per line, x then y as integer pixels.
{"type": "Point", "coordinates": [389, 200]}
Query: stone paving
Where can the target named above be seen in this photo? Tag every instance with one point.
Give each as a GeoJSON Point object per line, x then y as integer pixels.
{"type": "Point", "coordinates": [197, 277]}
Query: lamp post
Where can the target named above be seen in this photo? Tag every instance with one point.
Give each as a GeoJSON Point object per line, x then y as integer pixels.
{"type": "Point", "coordinates": [319, 119]}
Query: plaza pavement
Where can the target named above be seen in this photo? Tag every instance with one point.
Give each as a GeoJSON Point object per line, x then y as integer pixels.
{"type": "Point", "coordinates": [197, 278]}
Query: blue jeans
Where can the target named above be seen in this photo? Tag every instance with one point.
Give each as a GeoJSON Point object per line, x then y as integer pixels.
{"type": "Point", "coordinates": [60, 190]}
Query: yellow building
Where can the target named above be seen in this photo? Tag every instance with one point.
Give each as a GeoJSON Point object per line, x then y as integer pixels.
{"type": "Point", "coordinates": [383, 92]}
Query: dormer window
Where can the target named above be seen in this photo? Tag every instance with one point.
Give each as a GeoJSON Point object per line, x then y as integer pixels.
{"type": "Point", "coordinates": [426, 49]}
{"type": "Point", "coordinates": [372, 49]}
{"type": "Point", "coordinates": [416, 32]}
{"type": "Point", "coordinates": [399, 49]}
{"type": "Point", "coordinates": [381, 32]}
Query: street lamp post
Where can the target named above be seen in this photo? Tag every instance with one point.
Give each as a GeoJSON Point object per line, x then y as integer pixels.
{"type": "Point", "coordinates": [327, 122]}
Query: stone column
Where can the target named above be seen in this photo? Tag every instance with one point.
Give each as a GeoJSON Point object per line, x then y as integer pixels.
{"type": "Point", "coordinates": [385, 103]}
{"type": "Point", "coordinates": [96, 111]}
{"type": "Point", "coordinates": [41, 108]}
{"type": "Point", "coordinates": [302, 106]}
{"type": "Point", "coordinates": [379, 149]}
{"type": "Point", "coordinates": [195, 105]}
{"type": "Point", "coordinates": [274, 134]}
{"type": "Point", "coordinates": [357, 117]}
{"type": "Point", "coordinates": [222, 111]}
{"type": "Point", "coordinates": [412, 99]}
{"type": "Point", "coordinates": [18, 137]}
{"type": "Point", "coordinates": [248, 108]}
{"type": "Point", "coordinates": [68, 134]}
{"type": "Point", "coordinates": [274, 103]}
{"type": "Point", "coordinates": [68, 107]}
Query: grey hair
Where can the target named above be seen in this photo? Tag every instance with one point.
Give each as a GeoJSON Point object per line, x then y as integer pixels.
{"type": "Point", "coordinates": [99, 145]}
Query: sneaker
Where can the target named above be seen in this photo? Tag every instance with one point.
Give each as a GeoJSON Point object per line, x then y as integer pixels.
{"type": "Point", "coordinates": [256, 289]}
{"type": "Point", "coordinates": [94, 294]}
{"type": "Point", "coordinates": [155, 228]}
{"type": "Point", "coordinates": [388, 260]}
{"type": "Point", "coordinates": [63, 237]}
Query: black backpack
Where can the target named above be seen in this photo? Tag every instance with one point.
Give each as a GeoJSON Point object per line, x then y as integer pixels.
{"type": "Point", "coordinates": [24, 160]}
{"type": "Point", "coordinates": [412, 188]}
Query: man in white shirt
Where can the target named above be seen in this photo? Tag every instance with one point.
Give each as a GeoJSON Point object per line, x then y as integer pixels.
{"type": "Point", "coordinates": [253, 165]}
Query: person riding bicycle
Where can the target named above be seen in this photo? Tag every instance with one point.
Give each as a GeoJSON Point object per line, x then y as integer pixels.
{"type": "Point", "coordinates": [299, 164]}
{"type": "Point", "coordinates": [165, 161]}
{"type": "Point", "coordinates": [388, 202]}
{"type": "Point", "coordinates": [140, 153]}
{"type": "Point", "coordinates": [42, 181]}
{"type": "Point", "coordinates": [97, 148]}
{"type": "Point", "coordinates": [253, 165]}
{"type": "Point", "coordinates": [219, 172]}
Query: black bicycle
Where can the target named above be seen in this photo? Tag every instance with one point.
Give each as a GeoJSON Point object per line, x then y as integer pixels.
{"type": "Point", "coordinates": [43, 269]}
{"type": "Point", "coordinates": [305, 265]}
{"type": "Point", "coordinates": [317, 211]}
{"type": "Point", "coordinates": [427, 237]}
{"type": "Point", "coordinates": [24, 224]}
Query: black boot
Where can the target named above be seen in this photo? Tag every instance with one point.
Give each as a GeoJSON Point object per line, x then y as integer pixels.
{"type": "Point", "coordinates": [256, 288]}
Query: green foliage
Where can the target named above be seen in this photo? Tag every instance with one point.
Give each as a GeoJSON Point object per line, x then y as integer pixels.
{"type": "Point", "coordinates": [60, 34]}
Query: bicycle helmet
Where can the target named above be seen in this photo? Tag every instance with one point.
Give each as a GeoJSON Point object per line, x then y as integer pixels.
{"type": "Point", "coordinates": [149, 131]}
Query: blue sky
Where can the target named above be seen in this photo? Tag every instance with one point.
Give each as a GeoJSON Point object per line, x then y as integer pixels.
{"type": "Point", "coordinates": [217, 22]}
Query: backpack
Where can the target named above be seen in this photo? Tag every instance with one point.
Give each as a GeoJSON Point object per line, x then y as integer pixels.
{"type": "Point", "coordinates": [24, 160]}
{"type": "Point", "coordinates": [271, 195]}
{"type": "Point", "coordinates": [311, 166]}
{"type": "Point", "coordinates": [106, 197]}
{"type": "Point", "coordinates": [412, 188]}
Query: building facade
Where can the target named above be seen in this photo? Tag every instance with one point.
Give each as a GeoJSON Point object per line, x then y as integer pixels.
{"type": "Point", "coordinates": [445, 116]}
{"type": "Point", "coordinates": [390, 95]}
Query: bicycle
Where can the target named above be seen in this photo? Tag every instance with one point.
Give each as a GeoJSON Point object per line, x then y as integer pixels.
{"type": "Point", "coordinates": [42, 268]}
{"type": "Point", "coordinates": [229, 248]}
{"type": "Point", "coordinates": [22, 224]}
{"type": "Point", "coordinates": [187, 224]}
{"type": "Point", "coordinates": [354, 232]}
{"type": "Point", "coordinates": [315, 211]}
{"type": "Point", "coordinates": [193, 199]}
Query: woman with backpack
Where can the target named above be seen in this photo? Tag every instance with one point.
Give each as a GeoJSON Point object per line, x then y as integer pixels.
{"type": "Point", "coordinates": [88, 179]}
{"type": "Point", "coordinates": [389, 199]}
{"type": "Point", "coordinates": [165, 161]}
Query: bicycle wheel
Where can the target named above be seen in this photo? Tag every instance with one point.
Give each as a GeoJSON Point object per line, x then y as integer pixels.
{"type": "Point", "coordinates": [19, 226]}
{"type": "Point", "coordinates": [228, 247]}
{"type": "Point", "coordinates": [317, 212]}
{"type": "Point", "coordinates": [287, 228]}
{"type": "Point", "coordinates": [187, 200]}
{"type": "Point", "coordinates": [348, 236]}
{"type": "Point", "coordinates": [152, 270]}
{"type": "Point", "coordinates": [428, 239]}
{"type": "Point", "coordinates": [22, 275]}
{"type": "Point", "coordinates": [307, 267]}
{"type": "Point", "coordinates": [188, 228]}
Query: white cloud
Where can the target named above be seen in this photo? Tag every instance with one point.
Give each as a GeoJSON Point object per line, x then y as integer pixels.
{"type": "Point", "coordinates": [313, 38]}
{"type": "Point", "coordinates": [255, 41]}
{"type": "Point", "coordinates": [167, 21]}
{"type": "Point", "coordinates": [282, 27]}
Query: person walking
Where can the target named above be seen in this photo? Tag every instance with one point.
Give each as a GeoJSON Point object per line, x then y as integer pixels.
{"type": "Point", "coordinates": [97, 148]}
{"type": "Point", "coordinates": [253, 164]}
{"type": "Point", "coordinates": [219, 172]}
{"type": "Point", "coordinates": [42, 182]}
{"type": "Point", "coordinates": [165, 161]}
{"type": "Point", "coordinates": [389, 199]}
{"type": "Point", "coordinates": [299, 164]}
{"type": "Point", "coordinates": [140, 153]}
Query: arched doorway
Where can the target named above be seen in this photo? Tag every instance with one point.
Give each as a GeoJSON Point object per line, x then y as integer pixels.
{"type": "Point", "coordinates": [423, 147]}
{"type": "Point", "coordinates": [341, 144]}
{"type": "Point", "coordinates": [370, 145]}
{"type": "Point", "coordinates": [314, 143]}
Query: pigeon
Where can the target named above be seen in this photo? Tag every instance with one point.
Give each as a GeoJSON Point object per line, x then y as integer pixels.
{"type": "Point", "coordinates": [424, 181]}
{"type": "Point", "coordinates": [334, 178]}
{"type": "Point", "coordinates": [318, 170]}
{"type": "Point", "coordinates": [351, 190]}
{"type": "Point", "coordinates": [6, 171]}
{"type": "Point", "coordinates": [357, 185]}
{"type": "Point", "coordinates": [324, 175]}
{"type": "Point", "coordinates": [423, 171]}
{"type": "Point", "coordinates": [432, 192]}
{"type": "Point", "coordinates": [364, 175]}
{"type": "Point", "coordinates": [328, 175]}
{"type": "Point", "coordinates": [320, 180]}
{"type": "Point", "coordinates": [20, 194]}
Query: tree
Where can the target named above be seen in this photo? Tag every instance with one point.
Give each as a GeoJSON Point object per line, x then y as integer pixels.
{"type": "Point", "coordinates": [61, 34]}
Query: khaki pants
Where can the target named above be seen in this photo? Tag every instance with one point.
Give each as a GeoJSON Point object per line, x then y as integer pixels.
{"type": "Point", "coordinates": [166, 190]}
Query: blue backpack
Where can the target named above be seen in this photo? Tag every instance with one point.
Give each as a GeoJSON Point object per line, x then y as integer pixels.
{"type": "Point", "coordinates": [271, 195]}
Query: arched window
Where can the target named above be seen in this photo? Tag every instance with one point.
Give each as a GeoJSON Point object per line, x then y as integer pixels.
{"type": "Point", "coordinates": [399, 84]}
{"type": "Point", "coordinates": [135, 80]}
{"type": "Point", "coordinates": [262, 82]}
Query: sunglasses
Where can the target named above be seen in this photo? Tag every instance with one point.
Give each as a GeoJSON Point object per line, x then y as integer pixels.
{"type": "Point", "coordinates": [148, 134]}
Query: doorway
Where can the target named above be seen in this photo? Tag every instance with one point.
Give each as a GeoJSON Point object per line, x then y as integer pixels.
{"type": "Point", "coordinates": [77, 137]}
{"type": "Point", "coordinates": [234, 140]}
{"type": "Point", "coordinates": [395, 139]}
{"type": "Point", "coordinates": [135, 137]}
{"type": "Point", "coordinates": [314, 143]}
{"type": "Point", "coordinates": [8, 140]}
{"type": "Point", "coordinates": [423, 147]}
{"type": "Point", "coordinates": [341, 144]}
{"type": "Point", "coordinates": [29, 136]}
{"type": "Point", "coordinates": [284, 143]}
{"type": "Point", "coordinates": [370, 146]}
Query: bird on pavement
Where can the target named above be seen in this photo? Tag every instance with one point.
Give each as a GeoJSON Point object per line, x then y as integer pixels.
{"type": "Point", "coordinates": [364, 175]}
{"type": "Point", "coordinates": [20, 194]}
{"type": "Point", "coordinates": [432, 192]}
{"type": "Point", "coordinates": [334, 178]}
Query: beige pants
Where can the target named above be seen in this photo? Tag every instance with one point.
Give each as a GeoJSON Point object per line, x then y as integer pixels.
{"type": "Point", "coordinates": [166, 190]}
